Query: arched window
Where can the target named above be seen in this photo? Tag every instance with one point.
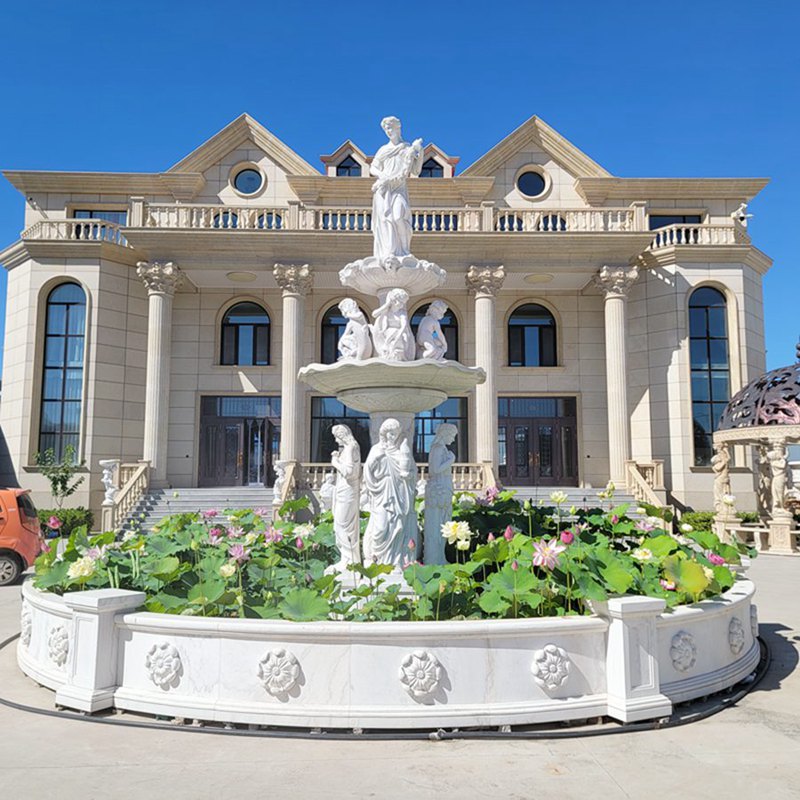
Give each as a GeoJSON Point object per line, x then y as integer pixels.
{"type": "Point", "coordinates": [348, 167]}
{"type": "Point", "coordinates": [245, 336]}
{"type": "Point", "coordinates": [449, 325]}
{"type": "Point", "coordinates": [431, 168]}
{"type": "Point", "coordinates": [62, 381]}
{"type": "Point", "coordinates": [531, 337]}
{"type": "Point", "coordinates": [332, 328]}
{"type": "Point", "coordinates": [708, 347]}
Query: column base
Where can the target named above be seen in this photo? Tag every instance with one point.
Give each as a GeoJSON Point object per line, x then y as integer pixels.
{"type": "Point", "coordinates": [89, 700]}
{"type": "Point", "coordinates": [781, 534]}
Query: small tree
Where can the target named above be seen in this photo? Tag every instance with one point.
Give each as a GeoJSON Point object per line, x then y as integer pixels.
{"type": "Point", "coordinates": [60, 473]}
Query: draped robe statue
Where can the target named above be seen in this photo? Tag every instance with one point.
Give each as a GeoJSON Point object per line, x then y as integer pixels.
{"type": "Point", "coordinates": [390, 482]}
{"type": "Point", "coordinates": [392, 165]}
{"type": "Point", "coordinates": [439, 493]}
{"type": "Point", "coordinates": [346, 519]}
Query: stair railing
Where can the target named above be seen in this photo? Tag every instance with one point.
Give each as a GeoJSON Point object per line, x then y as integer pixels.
{"type": "Point", "coordinates": [125, 484]}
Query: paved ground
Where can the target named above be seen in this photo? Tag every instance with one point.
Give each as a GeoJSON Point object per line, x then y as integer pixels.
{"type": "Point", "coordinates": [750, 751]}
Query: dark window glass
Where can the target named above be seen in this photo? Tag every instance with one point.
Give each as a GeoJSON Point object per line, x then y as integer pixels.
{"type": "Point", "coordinates": [62, 379]}
{"type": "Point", "coordinates": [248, 181]}
{"type": "Point", "coordinates": [509, 222]}
{"type": "Point", "coordinates": [449, 325]}
{"type": "Point", "coordinates": [551, 222]}
{"type": "Point", "coordinates": [531, 184]}
{"type": "Point", "coordinates": [662, 220]}
{"type": "Point", "coordinates": [327, 412]}
{"type": "Point", "coordinates": [348, 168]}
{"type": "Point", "coordinates": [245, 336]}
{"type": "Point", "coordinates": [117, 217]}
{"type": "Point", "coordinates": [531, 337]}
{"type": "Point", "coordinates": [708, 352]}
{"type": "Point", "coordinates": [454, 411]}
{"type": "Point", "coordinates": [226, 219]}
{"type": "Point", "coordinates": [431, 168]}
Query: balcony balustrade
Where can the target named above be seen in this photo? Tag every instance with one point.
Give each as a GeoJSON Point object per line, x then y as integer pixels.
{"type": "Point", "coordinates": [84, 230]}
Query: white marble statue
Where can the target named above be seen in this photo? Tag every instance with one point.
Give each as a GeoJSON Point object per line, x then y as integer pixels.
{"type": "Point", "coordinates": [346, 491]}
{"type": "Point", "coordinates": [391, 332]}
{"type": "Point", "coordinates": [779, 464]}
{"type": "Point", "coordinates": [431, 342]}
{"type": "Point", "coordinates": [390, 479]}
{"type": "Point", "coordinates": [354, 343]}
{"type": "Point", "coordinates": [393, 165]}
{"type": "Point", "coordinates": [109, 480]}
{"type": "Point", "coordinates": [741, 215]}
{"type": "Point", "coordinates": [438, 493]}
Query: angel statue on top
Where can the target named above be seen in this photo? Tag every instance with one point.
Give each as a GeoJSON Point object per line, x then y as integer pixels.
{"type": "Point", "coordinates": [392, 165]}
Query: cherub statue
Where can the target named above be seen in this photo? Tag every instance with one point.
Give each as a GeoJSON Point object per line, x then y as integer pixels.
{"type": "Point", "coordinates": [390, 332]}
{"type": "Point", "coordinates": [431, 342]}
{"type": "Point", "coordinates": [354, 343]}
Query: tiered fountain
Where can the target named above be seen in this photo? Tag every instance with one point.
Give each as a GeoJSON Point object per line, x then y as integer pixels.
{"type": "Point", "coordinates": [384, 371]}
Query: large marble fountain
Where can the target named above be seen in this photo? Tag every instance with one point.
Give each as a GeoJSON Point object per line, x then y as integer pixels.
{"type": "Point", "coordinates": [387, 372]}
{"type": "Point", "coordinates": [630, 659]}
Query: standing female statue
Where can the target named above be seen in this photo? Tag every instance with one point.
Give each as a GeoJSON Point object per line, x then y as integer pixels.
{"type": "Point", "coordinates": [390, 480]}
{"type": "Point", "coordinates": [439, 493]}
{"type": "Point", "coordinates": [392, 165]}
{"type": "Point", "coordinates": [346, 520]}
{"type": "Point", "coordinates": [354, 344]}
{"type": "Point", "coordinates": [391, 332]}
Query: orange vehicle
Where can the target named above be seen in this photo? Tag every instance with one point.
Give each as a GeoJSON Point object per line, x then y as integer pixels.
{"type": "Point", "coordinates": [21, 537]}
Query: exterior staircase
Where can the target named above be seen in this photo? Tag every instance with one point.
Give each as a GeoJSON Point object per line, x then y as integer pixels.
{"type": "Point", "coordinates": [577, 496]}
{"type": "Point", "coordinates": [160, 503]}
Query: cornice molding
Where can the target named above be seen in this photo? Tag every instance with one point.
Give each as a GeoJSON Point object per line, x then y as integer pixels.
{"type": "Point", "coordinates": [182, 186]}
{"type": "Point", "coordinates": [14, 255]}
{"type": "Point", "coordinates": [552, 142]}
{"type": "Point", "coordinates": [745, 254]}
{"type": "Point", "coordinates": [597, 190]}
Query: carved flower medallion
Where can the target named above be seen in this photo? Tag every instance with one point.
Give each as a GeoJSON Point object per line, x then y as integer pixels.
{"type": "Point", "coordinates": [58, 645]}
{"type": "Point", "coordinates": [550, 667]}
{"type": "Point", "coordinates": [683, 651]}
{"type": "Point", "coordinates": [421, 674]}
{"type": "Point", "coordinates": [736, 635]}
{"type": "Point", "coordinates": [278, 671]}
{"type": "Point", "coordinates": [25, 624]}
{"type": "Point", "coordinates": [163, 665]}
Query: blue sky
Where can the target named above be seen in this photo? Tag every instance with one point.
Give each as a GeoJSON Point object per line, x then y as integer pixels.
{"type": "Point", "coordinates": [692, 89]}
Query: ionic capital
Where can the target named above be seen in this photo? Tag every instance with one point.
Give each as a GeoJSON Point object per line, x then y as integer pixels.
{"type": "Point", "coordinates": [160, 277]}
{"type": "Point", "coordinates": [616, 281]}
{"type": "Point", "coordinates": [485, 281]}
{"type": "Point", "coordinates": [293, 278]}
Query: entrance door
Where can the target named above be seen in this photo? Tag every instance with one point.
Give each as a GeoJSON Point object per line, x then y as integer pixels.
{"type": "Point", "coordinates": [537, 452]}
{"type": "Point", "coordinates": [239, 440]}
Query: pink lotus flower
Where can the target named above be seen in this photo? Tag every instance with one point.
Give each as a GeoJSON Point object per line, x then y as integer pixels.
{"type": "Point", "coordinates": [645, 526]}
{"type": "Point", "coordinates": [489, 496]}
{"type": "Point", "coordinates": [514, 565]}
{"type": "Point", "coordinates": [215, 535]}
{"type": "Point", "coordinates": [235, 533]}
{"type": "Point", "coordinates": [210, 513]}
{"type": "Point", "coordinates": [546, 553]}
{"type": "Point", "coordinates": [273, 536]}
{"type": "Point", "coordinates": [668, 585]}
{"type": "Point", "coordinates": [716, 560]}
{"type": "Point", "coordinates": [567, 537]}
{"type": "Point", "coordinates": [262, 511]}
{"type": "Point", "coordinates": [298, 543]}
{"type": "Point", "coordinates": [614, 519]}
{"type": "Point", "coordinates": [509, 534]}
{"type": "Point", "coordinates": [44, 547]}
{"type": "Point", "coordinates": [490, 537]}
{"type": "Point", "coordinates": [96, 553]}
{"type": "Point", "coordinates": [412, 545]}
{"type": "Point", "coordinates": [54, 523]}
{"type": "Point", "coordinates": [239, 553]}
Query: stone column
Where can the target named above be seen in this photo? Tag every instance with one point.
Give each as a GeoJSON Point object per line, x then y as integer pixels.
{"type": "Point", "coordinates": [485, 283]}
{"type": "Point", "coordinates": [161, 280]}
{"type": "Point", "coordinates": [615, 283]}
{"type": "Point", "coordinates": [295, 281]}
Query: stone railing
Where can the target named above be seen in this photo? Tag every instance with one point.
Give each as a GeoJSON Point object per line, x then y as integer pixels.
{"type": "Point", "coordinates": [672, 235]}
{"type": "Point", "coordinates": [570, 220]}
{"type": "Point", "coordinates": [644, 479]}
{"type": "Point", "coordinates": [131, 484]}
{"type": "Point", "coordinates": [171, 215]}
{"type": "Point", "coordinates": [84, 230]}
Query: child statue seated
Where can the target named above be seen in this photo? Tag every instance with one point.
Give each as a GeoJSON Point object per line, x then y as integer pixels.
{"type": "Point", "coordinates": [430, 339]}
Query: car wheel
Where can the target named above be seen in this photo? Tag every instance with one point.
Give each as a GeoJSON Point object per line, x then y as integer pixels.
{"type": "Point", "coordinates": [9, 569]}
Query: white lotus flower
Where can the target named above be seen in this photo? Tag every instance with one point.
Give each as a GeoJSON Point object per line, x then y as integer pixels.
{"type": "Point", "coordinates": [228, 570]}
{"type": "Point", "coordinates": [82, 568]}
{"type": "Point", "coordinates": [558, 497]}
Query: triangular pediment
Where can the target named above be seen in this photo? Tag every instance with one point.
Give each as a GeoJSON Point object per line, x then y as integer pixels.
{"type": "Point", "coordinates": [536, 131]}
{"type": "Point", "coordinates": [346, 148]}
{"type": "Point", "coordinates": [243, 129]}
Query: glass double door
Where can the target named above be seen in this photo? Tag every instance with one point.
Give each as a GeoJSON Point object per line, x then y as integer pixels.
{"type": "Point", "coordinates": [238, 452]}
{"type": "Point", "coordinates": [538, 452]}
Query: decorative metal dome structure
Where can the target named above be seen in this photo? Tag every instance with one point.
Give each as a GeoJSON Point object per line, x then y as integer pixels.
{"type": "Point", "coordinates": [771, 399]}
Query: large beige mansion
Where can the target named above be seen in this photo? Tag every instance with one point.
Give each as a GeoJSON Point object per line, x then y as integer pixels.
{"type": "Point", "coordinates": [161, 317]}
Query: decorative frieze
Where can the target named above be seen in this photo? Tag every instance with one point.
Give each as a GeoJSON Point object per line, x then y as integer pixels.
{"type": "Point", "coordinates": [421, 674]}
{"type": "Point", "coordinates": [550, 667]}
{"type": "Point", "coordinates": [485, 281]}
{"type": "Point", "coordinates": [616, 281]}
{"type": "Point", "coordinates": [160, 277]}
{"type": "Point", "coordinates": [58, 645]}
{"type": "Point", "coordinates": [293, 278]}
{"type": "Point", "coordinates": [279, 672]}
{"type": "Point", "coordinates": [163, 665]}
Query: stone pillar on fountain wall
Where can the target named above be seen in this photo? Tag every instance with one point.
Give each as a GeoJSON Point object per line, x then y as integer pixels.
{"type": "Point", "coordinates": [615, 283]}
{"type": "Point", "coordinates": [484, 283]}
{"type": "Point", "coordinates": [295, 280]}
{"type": "Point", "coordinates": [161, 281]}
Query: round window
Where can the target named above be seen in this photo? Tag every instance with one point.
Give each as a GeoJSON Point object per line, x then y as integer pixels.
{"type": "Point", "coordinates": [531, 184]}
{"type": "Point", "coordinates": [248, 181]}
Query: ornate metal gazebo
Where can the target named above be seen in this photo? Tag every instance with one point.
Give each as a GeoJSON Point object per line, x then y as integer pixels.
{"type": "Point", "coordinates": [766, 415]}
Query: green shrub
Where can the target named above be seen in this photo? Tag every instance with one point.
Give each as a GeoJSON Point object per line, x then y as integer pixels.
{"type": "Point", "coordinates": [748, 517]}
{"type": "Point", "coordinates": [71, 519]}
{"type": "Point", "coordinates": [699, 520]}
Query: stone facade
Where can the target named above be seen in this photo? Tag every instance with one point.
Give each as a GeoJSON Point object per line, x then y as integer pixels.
{"type": "Point", "coordinates": [152, 354]}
